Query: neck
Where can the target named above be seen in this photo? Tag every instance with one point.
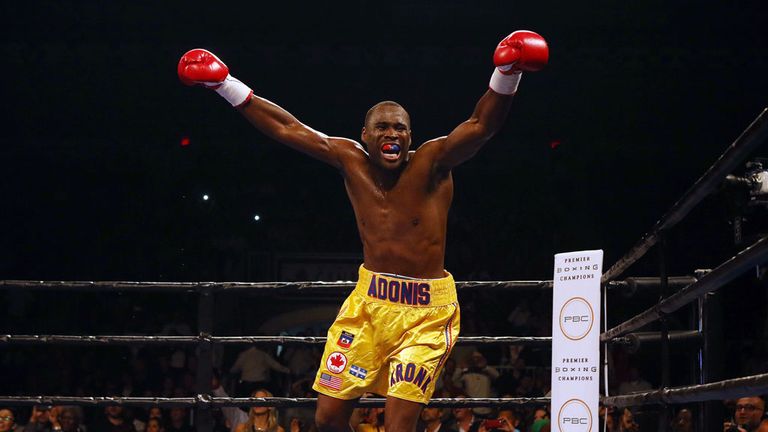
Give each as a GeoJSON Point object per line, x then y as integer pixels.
{"type": "Point", "coordinates": [261, 420]}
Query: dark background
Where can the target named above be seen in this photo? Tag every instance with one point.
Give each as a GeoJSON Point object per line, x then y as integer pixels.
{"type": "Point", "coordinates": [642, 98]}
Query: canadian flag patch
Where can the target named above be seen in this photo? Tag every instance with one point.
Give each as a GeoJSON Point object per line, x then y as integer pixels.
{"type": "Point", "coordinates": [336, 362]}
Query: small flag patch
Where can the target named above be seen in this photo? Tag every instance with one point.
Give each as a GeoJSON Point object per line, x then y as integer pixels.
{"type": "Point", "coordinates": [330, 381]}
{"type": "Point", "coordinates": [357, 371]}
{"type": "Point", "coordinates": [345, 340]}
{"type": "Point", "coordinates": [336, 362]}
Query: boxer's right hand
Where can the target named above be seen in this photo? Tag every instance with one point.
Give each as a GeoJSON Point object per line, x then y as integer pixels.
{"type": "Point", "coordinates": [201, 67]}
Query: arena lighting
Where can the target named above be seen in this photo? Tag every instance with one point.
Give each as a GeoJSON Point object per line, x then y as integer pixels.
{"type": "Point", "coordinates": [205, 197]}
{"type": "Point", "coordinates": [256, 218]}
{"type": "Point", "coordinates": [185, 141]}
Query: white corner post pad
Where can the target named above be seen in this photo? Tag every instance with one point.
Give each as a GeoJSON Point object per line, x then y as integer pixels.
{"type": "Point", "coordinates": [234, 91]}
{"type": "Point", "coordinates": [576, 340]}
{"type": "Point", "coordinates": [504, 84]}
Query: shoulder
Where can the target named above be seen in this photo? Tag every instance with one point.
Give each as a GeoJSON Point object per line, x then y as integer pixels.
{"type": "Point", "coordinates": [347, 145]}
{"type": "Point", "coordinates": [241, 427]}
{"type": "Point", "coordinates": [348, 149]}
{"type": "Point", "coordinates": [431, 146]}
{"type": "Point", "coordinates": [428, 152]}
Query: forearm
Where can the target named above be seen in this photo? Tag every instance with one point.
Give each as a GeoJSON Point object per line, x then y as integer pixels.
{"type": "Point", "coordinates": [276, 122]}
{"type": "Point", "coordinates": [201, 67]}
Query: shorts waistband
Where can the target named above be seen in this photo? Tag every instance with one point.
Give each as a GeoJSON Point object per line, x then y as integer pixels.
{"type": "Point", "coordinates": [405, 291]}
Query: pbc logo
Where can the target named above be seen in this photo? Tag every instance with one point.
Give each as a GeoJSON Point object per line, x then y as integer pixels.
{"type": "Point", "coordinates": [574, 416]}
{"type": "Point", "coordinates": [576, 318]}
{"type": "Point", "coordinates": [336, 362]}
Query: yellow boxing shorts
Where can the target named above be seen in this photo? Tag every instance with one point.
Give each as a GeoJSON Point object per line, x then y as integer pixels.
{"type": "Point", "coordinates": [391, 337]}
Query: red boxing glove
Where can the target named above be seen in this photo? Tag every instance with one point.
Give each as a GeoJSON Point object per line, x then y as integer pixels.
{"type": "Point", "coordinates": [202, 67]}
{"type": "Point", "coordinates": [522, 50]}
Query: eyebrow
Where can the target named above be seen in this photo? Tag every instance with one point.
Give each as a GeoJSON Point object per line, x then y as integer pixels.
{"type": "Point", "coordinates": [383, 123]}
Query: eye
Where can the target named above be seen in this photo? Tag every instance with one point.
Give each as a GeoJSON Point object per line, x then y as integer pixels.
{"type": "Point", "coordinates": [400, 128]}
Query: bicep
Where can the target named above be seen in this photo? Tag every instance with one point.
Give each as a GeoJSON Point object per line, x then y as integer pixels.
{"type": "Point", "coordinates": [461, 144]}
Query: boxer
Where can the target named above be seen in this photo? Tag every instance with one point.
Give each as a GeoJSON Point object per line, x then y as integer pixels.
{"type": "Point", "coordinates": [395, 330]}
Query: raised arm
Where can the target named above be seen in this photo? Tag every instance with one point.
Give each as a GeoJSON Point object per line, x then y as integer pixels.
{"type": "Point", "coordinates": [518, 52]}
{"type": "Point", "coordinates": [201, 67]}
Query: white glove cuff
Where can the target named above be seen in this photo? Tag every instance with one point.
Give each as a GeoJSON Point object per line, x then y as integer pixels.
{"type": "Point", "coordinates": [234, 91]}
{"type": "Point", "coordinates": [504, 84]}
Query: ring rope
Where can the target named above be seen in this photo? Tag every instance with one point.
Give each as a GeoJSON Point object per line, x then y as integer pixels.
{"type": "Point", "coordinates": [753, 255]}
{"type": "Point", "coordinates": [189, 340]}
{"type": "Point", "coordinates": [720, 390]}
{"type": "Point", "coordinates": [749, 140]}
{"type": "Point", "coordinates": [206, 401]}
{"type": "Point", "coordinates": [633, 282]}
{"type": "Point", "coordinates": [229, 286]}
{"type": "Point", "coordinates": [738, 387]}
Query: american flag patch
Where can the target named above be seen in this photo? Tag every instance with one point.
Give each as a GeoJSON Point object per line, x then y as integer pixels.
{"type": "Point", "coordinates": [330, 381]}
{"type": "Point", "coordinates": [357, 371]}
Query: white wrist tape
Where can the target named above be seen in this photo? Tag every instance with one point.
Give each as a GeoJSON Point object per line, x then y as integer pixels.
{"type": "Point", "coordinates": [234, 91]}
{"type": "Point", "coordinates": [504, 84]}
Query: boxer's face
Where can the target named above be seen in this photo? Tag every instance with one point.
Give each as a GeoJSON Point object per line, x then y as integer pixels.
{"type": "Point", "coordinates": [387, 128]}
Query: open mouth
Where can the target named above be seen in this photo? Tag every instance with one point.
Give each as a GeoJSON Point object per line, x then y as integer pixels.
{"type": "Point", "coordinates": [390, 151]}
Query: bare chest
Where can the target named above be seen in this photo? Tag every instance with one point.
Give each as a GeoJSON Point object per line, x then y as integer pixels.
{"type": "Point", "coordinates": [414, 201]}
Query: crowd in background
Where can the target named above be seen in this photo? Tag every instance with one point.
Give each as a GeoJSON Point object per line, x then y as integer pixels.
{"type": "Point", "coordinates": [489, 370]}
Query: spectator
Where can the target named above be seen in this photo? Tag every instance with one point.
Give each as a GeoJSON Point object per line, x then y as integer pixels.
{"type": "Point", "coordinates": [154, 425]}
{"type": "Point", "coordinates": [477, 379]}
{"type": "Point", "coordinates": [67, 418]}
{"type": "Point", "coordinates": [540, 425]}
{"type": "Point", "coordinates": [302, 360]}
{"type": "Point", "coordinates": [607, 418]}
{"type": "Point", "coordinates": [233, 416]}
{"type": "Point", "coordinates": [178, 421]}
{"type": "Point", "coordinates": [39, 420]}
{"type": "Point", "coordinates": [627, 422]}
{"type": "Point", "coordinates": [445, 384]}
{"type": "Point", "coordinates": [635, 383]}
{"type": "Point", "coordinates": [747, 416]}
{"type": "Point", "coordinates": [510, 420]}
{"type": "Point", "coordinates": [431, 419]}
{"type": "Point", "coordinates": [464, 419]}
{"type": "Point", "coordinates": [156, 412]}
{"type": "Point", "coordinates": [371, 420]}
{"type": "Point", "coordinates": [261, 419]}
{"type": "Point", "coordinates": [114, 420]}
{"type": "Point", "coordinates": [253, 366]}
{"type": "Point", "coordinates": [303, 417]}
{"type": "Point", "coordinates": [683, 421]}
{"type": "Point", "coordinates": [540, 419]}
{"type": "Point", "coordinates": [7, 420]}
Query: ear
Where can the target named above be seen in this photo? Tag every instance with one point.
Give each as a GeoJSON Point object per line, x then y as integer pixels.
{"type": "Point", "coordinates": [362, 135]}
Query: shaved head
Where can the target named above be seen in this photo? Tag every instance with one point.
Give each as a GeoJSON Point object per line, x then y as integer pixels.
{"type": "Point", "coordinates": [383, 104]}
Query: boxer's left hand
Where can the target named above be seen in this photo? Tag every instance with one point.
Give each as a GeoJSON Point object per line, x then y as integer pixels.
{"type": "Point", "coordinates": [522, 50]}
